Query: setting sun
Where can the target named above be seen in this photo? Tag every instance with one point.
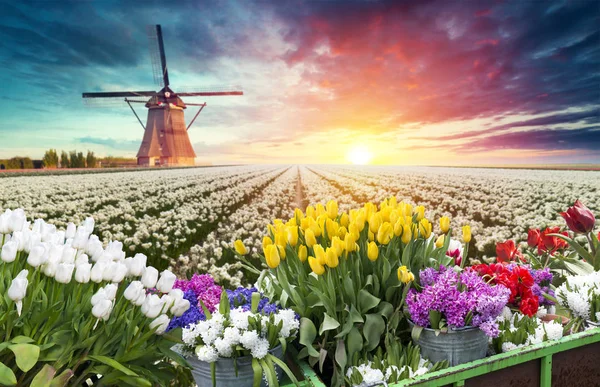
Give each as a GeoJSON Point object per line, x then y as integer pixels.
{"type": "Point", "coordinates": [359, 155]}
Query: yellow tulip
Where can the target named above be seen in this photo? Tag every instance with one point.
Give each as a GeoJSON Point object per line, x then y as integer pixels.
{"type": "Point", "coordinates": [298, 214]}
{"type": "Point", "coordinates": [315, 228]}
{"type": "Point", "coordinates": [332, 209]}
{"type": "Point", "coordinates": [349, 243]}
{"type": "Point", "coordinates": [305, 223]}
{"type": "Point", "coordinates": [320, 210]}
{"type": "Point", "coordinates": [341, 233]}
{"type": "Point", "coordinates": [375, 222]}
{"type": "Point", "coordinates": [404, 275]}
{"type": "Point", "coordinates": [445, 224]}
{"type": "Point", "coordinates": [281, 238]}
{"type": "Point", "coordinates": [302, 253]}
{"type": "Point", "coordinates": [372, 251]}
{"type": "Point", "coordinates": [344, 220]}
{"type": "Point", "coordinates": [319, 253]}
{"type": "Point", "coordinates": [425, 228]}
{"type": "Point", "coordinates": [332, 228]}
{"type": "Point", "coordinates": [360, 221]}
{"type": "Point", "coordinates": [406, 234]}
{"type": "Point", "coordinates": [440, 241]}
{"type": "Point", "coordinates": [369, 209]}
{"type": "Point", "coordinates": [420, 211]}
{"type": "Point", "coordinates": [309, 237]}
{"type": "Point", "coordinates": [272, 256]}
{"type": "Point", "coordinates": [240, 248]}
{"type": "Point", "coordinates": [385, 233]}
{"type": "Point", "coordinates": [353, 229]}
{"type": "Point", "coordinates": [466, 233]}
{"type": "Point", "coordinates": [405, 208]}
{"type": "Point", "coordinates": [337, 245]}
{"type": "Point", "coordinates": [271, 229]}
{"type": "Point", "coordinates": [292, 235]}
{"type": "Point", "coordinates": [371, 236]}
{"type": "Point", "coordinates": [281, 250]}
{"type": "Point", "coordinates": [398, 227]}
{"type": "Point", "coordinates": [266, 242]}
{"type": "Point", "coordinates": [394, 215]}
{"type": "Point", "coordinates": [315, 266]}
{"type": "Point", "coordinates": [393, 202]}
{"type": "Point", "coordinates": [310, 212]}
{"type": "Point", "coordinates": [331, 258]}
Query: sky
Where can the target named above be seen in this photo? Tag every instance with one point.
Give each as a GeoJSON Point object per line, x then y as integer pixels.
{"type": "Point", "coordinates": [386, 82]}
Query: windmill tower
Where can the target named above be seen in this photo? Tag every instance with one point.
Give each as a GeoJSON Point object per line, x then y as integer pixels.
{"type": "Point", "coordinates": [166, 140]}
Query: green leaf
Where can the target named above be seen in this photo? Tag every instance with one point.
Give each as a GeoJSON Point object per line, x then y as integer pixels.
{"type": "Point", "coordinates": [373, 329]}
{"type": "Point", "coordinates": [257, 372]}
{"type": "Point", "coordinates": [355, 342]}
{"type": "Point", "coordinates": [434, 319]}
{"type": "Point", "coordinates": [308, 333]}
{"type": "Point", "coordinates": [385, 309]}
{"type": "Point", "coordinates": [112, 363]}
{"type": "Point", "coordinates": [26, 355]}
{"type": "Point", "coordinates": [269, 371]}
{"type": "Point", "coordinates": [255, 300]}
{"type": "Point", "coordinates": [21, 340]}
{"type": "Point", "coordinates": [62, 379]}
{"type": "Point", "coordinates": [416, 333]}
{"type": "Point", "coordinates": [44, 377]}
{"type": "Point", "coordinates": [285, 369]}
{"type": "Point", "coordinates": [340, 354]}
{"type": "Point", "coordinates": [322, 357]}
{"type": "Point", "coordinates": [135, 381]}
{"type": "Point", "coordinates": [7, 377]}
{"type": "Point", "coordinates": [224, 304]}
{"type": "Point", "coordinates": [366, 301]}
{"type": "Point", "coordinates": [349, 289]}
{"type": "Point", "coordinates": [329, 323]}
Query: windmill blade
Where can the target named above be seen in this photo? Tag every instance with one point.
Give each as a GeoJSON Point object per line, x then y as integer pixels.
{"type": "Point", "coordinates": [155, 55]}
{"type": "Point", "coordinates": [211, 91]}
{"type": "Point", "coordinates": [163, 57]}
{"type": "Point", "coordinates": [123, 94]}
{"type": "Point", "coordinates": [104, 102]}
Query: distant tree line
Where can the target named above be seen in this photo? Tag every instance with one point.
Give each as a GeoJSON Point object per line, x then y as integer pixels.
{"type": "Point", "coordinates": [17, 163]}
{"type": "Point", "coordinates": [73, 159]}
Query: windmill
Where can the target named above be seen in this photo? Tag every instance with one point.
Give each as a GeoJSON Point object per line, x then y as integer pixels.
{"type": "Point", "coordinates": [166, 140]}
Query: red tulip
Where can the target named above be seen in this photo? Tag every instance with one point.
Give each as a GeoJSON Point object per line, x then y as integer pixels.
{"type": "Point", "coordinates": [529, 306]}
{"type": "Point", "coordinates": [551, 243]}
{"type": "Point", "coordinates": [507, 251]}
{"type": "Point", "coordinates": [579, 218]}
{"type": "Point", "coordinates": [533, 237]}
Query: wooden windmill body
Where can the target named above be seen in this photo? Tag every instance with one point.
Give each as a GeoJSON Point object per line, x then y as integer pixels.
{"type": "Point", "coordinates": [166, 141]}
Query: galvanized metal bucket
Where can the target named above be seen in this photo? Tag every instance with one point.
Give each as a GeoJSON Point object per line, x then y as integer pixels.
{"type": "Point", "coordinates": [458, 346]}
{"type": "Point", "coordinates": [225, 371]}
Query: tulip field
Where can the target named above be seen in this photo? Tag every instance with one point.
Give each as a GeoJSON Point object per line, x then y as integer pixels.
{"type": "Point", "coordinates": [188, 219]}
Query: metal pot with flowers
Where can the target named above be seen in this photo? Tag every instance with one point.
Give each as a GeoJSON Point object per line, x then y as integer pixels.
{"type": "Point", "coordinates": [240, 342]}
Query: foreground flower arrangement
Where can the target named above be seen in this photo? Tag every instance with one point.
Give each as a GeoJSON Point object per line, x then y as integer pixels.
{"type": "Point", "coordinates": [75, 310]}
{"type": "Point", "coordinates": [351, 286]}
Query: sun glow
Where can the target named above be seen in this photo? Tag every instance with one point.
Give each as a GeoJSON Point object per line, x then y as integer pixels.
{"type": "Point", "coordinates": [359, 155]}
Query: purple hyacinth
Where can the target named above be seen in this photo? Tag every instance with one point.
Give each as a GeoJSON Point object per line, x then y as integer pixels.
{"type": "Point", "coordinates": [190, 316]}
{"type": "Point", "coordinates": [242, 297]}
{"type": "Point", "coordinates": [462, 299]}
{"type": "Point", "coordinates": [205, 288]}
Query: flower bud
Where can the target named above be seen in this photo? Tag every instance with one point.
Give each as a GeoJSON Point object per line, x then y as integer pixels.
{"type": "Point", "coordinates": [137, 265]}
{"type": "Point", "coordinates": [9, 251]}
{"type": "Point", "coordinates": [533, 237]}
{"type": "Point", "coordinates": [17, 220]}
{"type": "Point", "coordinates": [466, 230]}
{"type": "Point", "coordinates": [120, 271]}
{"type": "Point", "coordinates": [331, 258]}
{"type": "Point", "coordinates": [97, 273]}
{"type": "Point", "coordinates": [272, 256]}
{"type": "Point", "coordinates": [166, 281]}
{"type": "Point", "coordinates": [152, 306]}
{"type": "Point", "coordinates": [440, 241]}
{"type": "Point", "coordinates": [64, 272]}
{"type": "Point", "coordinates": [82, 273]}
{"type": "Point", "coordinates": [180, 306]}
{"type": "Point", "coordinates": [68, 255]}
{"type": "Point", "coordinates": [309, 237]}
{"type": "Point", "coordinates": [37, 255]}
{"type": "Point", "coordinates": [134, 290]}
{"type": "Point", "coordinates": [18, 289]}
{"type": "Point", "coordinates": [160, 324]}
{"type": "Point", "coordinates": [88, 225]}
{"type": "Point", "coordinates": [292, 235]}
{"type": "Point", "coordinates": [168, 302]}
{"type": "Point", "coordinates": [315, 266]}
{"type": "Point", "coordinates": [444, 224]}
{"type": "Point", "coordinates": [319, 254]}
{"type": "Point", "coordinates": [150, 277]}
{"type": "Point", "coordinates": [302, 253]}
{"type": "Point", "coordinates": [375, 222]}
{"type": "Point", "coordinates": [372, 251]}
{"type": "Point", "coordinates": [70, 231]}
{"type": "Point", "coordinates": [240, 248]}
{"type": "Point", "coordinates": [102, 309]}
{"type": "Point", "coordinates": [385, 233]}
{"type": "Point", "coordinates": [579, 218]}
{"type": "Point", "coordinates": [110, 291]}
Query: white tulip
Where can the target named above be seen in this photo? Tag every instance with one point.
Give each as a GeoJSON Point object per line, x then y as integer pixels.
{"type": "Point", "coordinates": [17, 219]}
{"type": "Point", "coordinates": [83, 273]}
{"type": "Point", "coordinates": [64, 272]}
{"type": "Point", "coordinates": [55, 253]}
{"type": "Point", "coordinates": [120, 271]}
{"type": "Point", "coordinates": [177, 294]}
{"type": "Point", "coordinates": [59, 238]}
{"type": "Point", "coordinates": [110, 291]}
{"type": "Point", "coordinates": [81, 239]}
{"type": "Point", "coordinates": [33, 238]}
{"type": "Point", "coordinates": [140, 300]}
{"type": "Point", "coordinates": [20, 238]}
{"type": "Point", "coordinates": [180, 307]}
{"type": "Point", "coordinates": [70, 232]}
{"type": "Point", "coordinates": [37, 255]}
{"type": "Point", "coordinates": [166, 281]}
{"type": "Point", "coordinates": [9, 251]}
{"type": "Point", "coordinates": [37, 225]}
{"type": "Point", "coordinates": [88, 225]}
{"type": "Point", "coordinates": [109, 271]}
{"type": "Point", "coordinates": [98, 296]}
{"type": "Point", "coordinates": [97, 272]}
{"type": "Point", "coordinates": [115, 249]}
{"type": "Point", "coordinates": [150, 277]}
{"type": "Point", "coordinates": [18, 289]}
{"type": "Point", "coordinates": [83, 258]}
{"type": "Point", "coordinates": [161, 323]}
{"type": "Point", "coordinates": [137, 265]}
{"type": "Point", "coordinates": [5, 226]}
{"type": "Point", "coordinates": [168, 302]}
{"type": "Point", "coordinates": [68, 255]}
{"type": "Point", "coordinates": [134, 290]}
{"type": "Point", "coordinates": [102, 309]}
{"type": "Point", "coordinates": [48, 231]}
{"type": "Point", "coordinates": [152, 306]}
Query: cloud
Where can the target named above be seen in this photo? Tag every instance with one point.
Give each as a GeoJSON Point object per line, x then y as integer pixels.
{"type": "Point", "coordinates": [123, 145]}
